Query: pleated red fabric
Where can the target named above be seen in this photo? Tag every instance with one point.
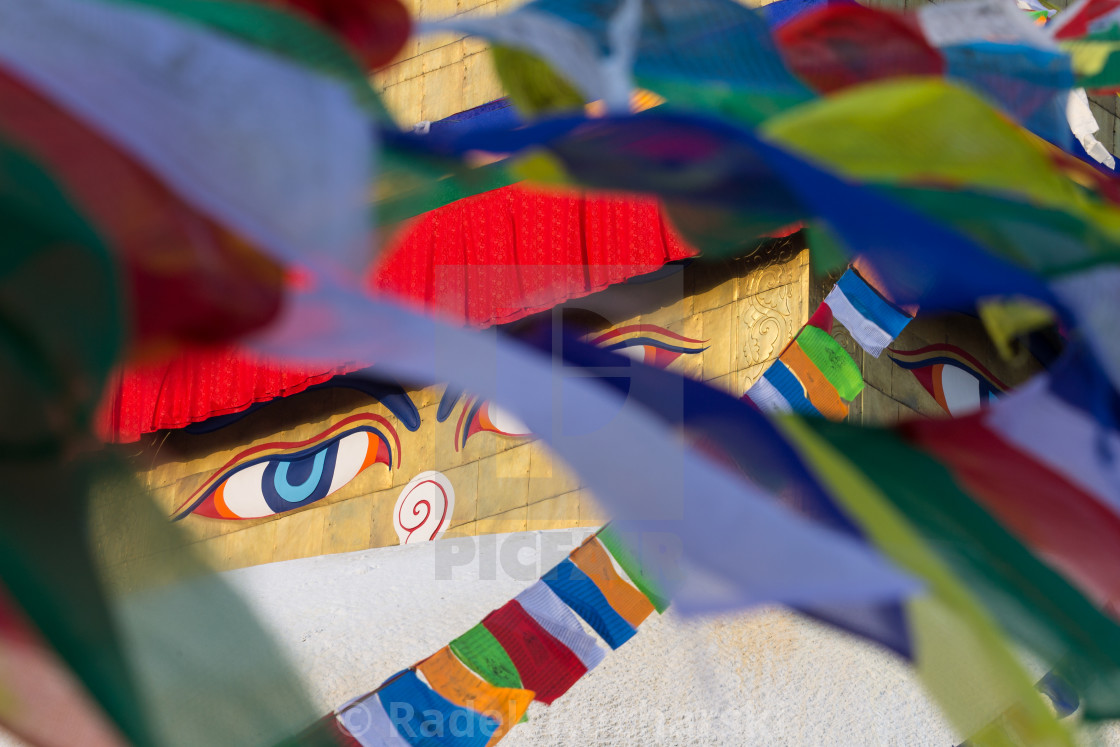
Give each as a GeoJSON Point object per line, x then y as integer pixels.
{"type": "Point", "coordinates": [194, 387]}
{"type": "Point", "coordinates": [489, 259]}
{"type": "Point", "coordinates": [502, 255]}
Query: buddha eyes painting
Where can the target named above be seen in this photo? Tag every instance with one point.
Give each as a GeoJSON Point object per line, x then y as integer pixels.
{"type": "Point", "coordinates": [277, 477]}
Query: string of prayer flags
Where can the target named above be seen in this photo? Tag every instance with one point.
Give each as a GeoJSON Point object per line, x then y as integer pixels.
{"type": "Point", "coordinates": [474, 690]}
{"type": "Point", "coordinates": [295, 171]}
{"type": "Point", "coordinates": [1039, 442]}
{"type": "Point", "coordinates": [871, 320]}
{"type": "Point", "coordinates": [648, 154]}
{"type": "Point", "coordinates": [1028, 598]}
{"type": "Point", "coordinates": [813, 376]}
{"type": "Point", "coordinates": [945, 636]}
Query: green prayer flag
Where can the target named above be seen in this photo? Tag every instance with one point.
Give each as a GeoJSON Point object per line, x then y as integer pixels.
{"type": "Point", "coordinates": [480, 650]}
{"type": "Point", "coordinates": [832, 360]}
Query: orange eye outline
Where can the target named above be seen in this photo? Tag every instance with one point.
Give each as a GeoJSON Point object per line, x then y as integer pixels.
{"type": "Point", "coordinates": [478, 415]}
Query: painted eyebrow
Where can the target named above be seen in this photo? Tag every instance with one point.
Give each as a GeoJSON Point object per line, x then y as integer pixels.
{"type": "Point", "coordinates": [447, 403]}
{"type": "Point", "coordinates": [452, 395]}
{"type": "Point", "coordinates": [643, 328]}
{"type": "Point", "coordinates": [279, 449]}
{"type": "Point", "coordinates": [943, 347]}
{"type": "Point", "coordinates": [389, 393]}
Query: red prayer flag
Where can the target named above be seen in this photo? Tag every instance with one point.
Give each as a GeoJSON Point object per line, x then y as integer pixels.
{"type": "Point", "coordinates": [547, 666]}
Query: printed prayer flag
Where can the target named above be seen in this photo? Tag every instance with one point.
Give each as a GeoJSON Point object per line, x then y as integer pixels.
{"type": "Point", "coordinates": [451, 679]}
{"type": "Point", "coordinates": [592, 558]}
{"type": "Point", "coordinates": [546, 666]}
{"type": "Point", "coordinates": [579, 592]}
{"type": "Point", "coordinates": [367, 721]}
{"type": "Point", "coordinates": [631, 563]}
{"type": "Point", "coordinates": [542, 604]}
{"type": "Point", "coordinates": [818, 388]}
{"type": "Point", "coordinates": [424, 718]}
{"type": "Point", "coordinates": [822, 318]}
{"type": "Point", "coordinates": [832, 360]}
{"type": "Point", "coordinates": [479, 650]}
{"type": "Point", "coordinates": [779, 391]}
{"type": "Point", "coordinates": [871, 320]}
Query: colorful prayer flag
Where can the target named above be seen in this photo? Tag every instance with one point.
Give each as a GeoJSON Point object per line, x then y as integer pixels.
{"type": "Point", "coordinates": [818, 387]}
{"type": "Point", "coordinates": [625, 598]}
{"type": "Point", "coordinates": [632, 565]}
{"type": "Point", "coordinates": [871, 320]}
{"type": "Point", "coordinates": [779, 391]}
{"type": "Point", "coordinates": [576, 589]}
{"type": "Point", "coordinates": [542, 604]}
{"type": "Point", "coordinates": [479, 650]}
{"type": "Point", "coordinates": [546, 666]}
{"type": "Point", "coordinates": [451, 679]}
{"type": "Point", "coordinates": [832, 361]}
{"type": "Point", "coordinates": [424, 718]}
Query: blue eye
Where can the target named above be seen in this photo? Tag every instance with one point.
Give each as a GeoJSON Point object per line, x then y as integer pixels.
{"type": "Point", "coordinates": [300, 480]}
{"type": "Point", "coordinates": [273, 478]}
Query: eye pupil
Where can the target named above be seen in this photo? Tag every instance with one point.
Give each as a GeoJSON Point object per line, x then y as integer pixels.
{"type": "Point", "coordinates": [296, 480]}
{"type": "Point", "coordinates": [289, 482]}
